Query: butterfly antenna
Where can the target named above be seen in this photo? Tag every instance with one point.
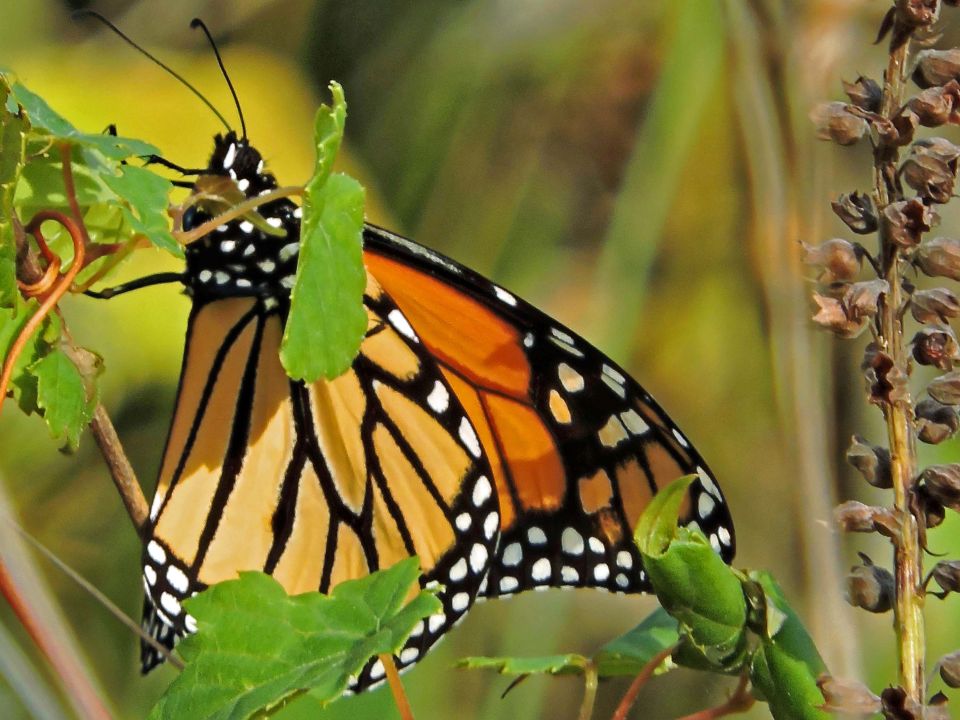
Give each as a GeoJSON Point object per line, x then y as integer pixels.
{"type": "Point", "coordinates": [131, 43]}
{"type": "Point", "coordinates": [198, 23]}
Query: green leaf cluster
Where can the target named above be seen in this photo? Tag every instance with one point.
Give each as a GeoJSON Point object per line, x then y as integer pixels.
{"type": "Point", "coordinates": [257, 648]}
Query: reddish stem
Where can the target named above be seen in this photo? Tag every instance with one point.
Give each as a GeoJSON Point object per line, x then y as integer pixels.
{"type": "Point", "coordinates": [630, 697]}
{"type": "Point", "coordinates": [396, 687]}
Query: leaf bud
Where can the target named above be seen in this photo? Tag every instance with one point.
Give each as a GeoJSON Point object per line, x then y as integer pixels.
{"type": "Point", "coordinates": [856, 211]}
{"type": "Point", "coordinates": [936, 305]}
{"type": "Point", "coordinates": [935, 421]}
{"type": "Point", "coordinates": [872, 461]}
{"type": "Point", "coordinates": [865, 93]}
{"type": "Point", "coordinates": [870, 587]}
{"type": "Point", "coordinates": [837, 259]}
{"type": "Point", "coordinates": [835, 123]}
{"type": "Point", "coordinates": [942, 483]}
{"type": "Point", "coordinates": [935, 345]}
{"type": "Point", "coordinates": [939, 257]}
{"type": "Point", "coordinates": [937, 67]}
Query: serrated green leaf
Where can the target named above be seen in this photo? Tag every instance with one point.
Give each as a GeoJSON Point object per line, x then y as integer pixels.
{"type": "Point", "coordinates": [257, 647]}
{"type": "Point", "coordinates": [145, 196]}
{"type": "Point", "coordinates": [570, 664]}
{"type": "Point", "coordinates": [66, 402]}
{"type": "Point", "coordinates": [13, 140]}
{"type": "Point", "coordinates": [786, 665]}
{"type": "Point", "coordinates": [629, 653]}
{"type": "Point", "coordinates": [43, 117]}
{"type": "Point", "coordinates": [327, 319]}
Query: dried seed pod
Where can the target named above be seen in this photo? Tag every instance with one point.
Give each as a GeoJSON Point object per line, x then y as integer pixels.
{"type": "Point", "coordinates": [853, 516]}
{"type": "Point", "coordinates": [946, 388]}
{"type": "Point", "coordinates": [848, 697]}
{"type": "Point", "coordinates": [872, 461]}
{"type": "Point", "coordinates": [863, 298]}
{"type": "Point", "coordinates": [939, 257]}
{"type": "Point", "coordinates": [946, 573]}
{"type": "Point", "coordinates": [936, 305]}
{"type": "Point", "coordinates": [933, 511]}
{"type": "Point", "coordinates": [935, 421]}
{"type": "Point", "coordinates": [833, 315]}
{"type": "Point", "coordinates": [865, 93]}
{"type": "Point", "coordinates": [930, 176]}
{"type": "Point", "coordinates": [950, 669]}
{"type": "Point", "coordinates": [940, 148]}
{"type": "Point", "coordinates": [895, 704]}
{"type": "Point", "coordinates": [918, 13]}
{"type": "Point", "coordinates": [942, 483]}
{"type": "Point", "coordinates": [935, 105]}
{"type": "Point", "coordinates": [837, 259]}
{"type": "Point", "coordinates": [905, 222]}
{"type": "Point", "coordinates": [937, 67]}
{"type": "Point", "coordinates": [856, 210]}
{"type": "Point", "coordinates": [835, 123]}
{"type": "Point", "coordinates": [935, 345]}
{"type": "Point", "coordinates": [870, 586]}
{"type": "Point", "coordinates": [887, 384]}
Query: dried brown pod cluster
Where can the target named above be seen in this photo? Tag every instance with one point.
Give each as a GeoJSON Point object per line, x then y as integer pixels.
{"type": "Point", "coordinates": [898, 288]}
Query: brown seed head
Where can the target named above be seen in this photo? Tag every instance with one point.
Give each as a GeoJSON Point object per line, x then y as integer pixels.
{"type": "Point", "coordinates": [847, 696]}
{"type": "Point", "coordinates": [939, 257]}
{"type": "Point", "coordinates": [935, 421]}
{"type": "Point", "coordinates": [946, 388]}
{"type": "Point", "coordinates": [942, 483]}
{"type": "Point", "coordinates": [936, 305]}
{"type": "Point", "coordinates": [935, 345]}
{"type": "Point", "coordinates": [834, 123]}
{"type": "Point", "coordinates": [950, 669]}
{"type": "Point", "coordinates": [905, 222]}
{"type": "Point", "coordinates": [856, 210]}
{"type": "Point", "coordinates": [870, 587]}
{"type": "Point", "coordinates": [935, 106]}
{"type": "Point", "coordinates": [937, 67]}
{"type": "Point", "coordinates": [946, 573]}
{"type": "Point", "coordinates": [930, 176]}
{"type": "Point", "coordinates": [872, 461]}
{"type": "Point", "coordinates": [837, 259]}
{"type": "Point", "coordinates": [865, 93]}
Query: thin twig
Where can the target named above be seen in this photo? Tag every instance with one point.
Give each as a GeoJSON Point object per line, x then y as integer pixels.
{"type": "Point", "coordinates": [630, 697]}
{"type": "Point", "coordinates": [237, 211]}
{"type": "Point", "coordinates": [908, 552]}
{"type": "Point", "coordinates": [120, 469]}
{"type": "Point", "coordinates": [590, 682]}
{"type": "Point", "coordinates": [396, 687]}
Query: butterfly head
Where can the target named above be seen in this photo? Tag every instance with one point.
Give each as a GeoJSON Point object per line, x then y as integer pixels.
{"type": "Point", "coordinates": [253, 255]}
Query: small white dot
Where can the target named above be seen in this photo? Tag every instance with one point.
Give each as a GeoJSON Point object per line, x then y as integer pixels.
{"type": "Point", "coordinates": [613, 374]}
{"type": "Point", "coordinates": [243, 184]}
{"type": "Point", "coordinates": [205, 276]}
{"type": "Point", "coordinates": [246, 226]}
{"type": "Point", "coordinates": [508, 584]}
{"type": "Point", "coordinates": [459, 571]}
{"type": "Point", "coordinates": [469, 437]}
{"type": "Point", "coordinates": [536, 536]}
{"type": "Point", "coordinates": [569, 574]}
{"type": "Point", "coordinates": [409, 655]}
{"type": "Point", "coordinates": [289, 281]}
{"type": "Point", "coordinates": [540, 571]}
{"type": "Point", "coordinates": [596, 545]}
{"type": "Point", "coordinates": [439, 398]}
{"type": "Point", "coordinates": [417, 630]}
{"type": "Point", "coordinates": [266, 265]}
{"type": "Point", "coordinates": [614, 385]}
{"type": "Point", "coordinates": [622, 580]}
{"type": "Point", "coordinates": [170, 604]}
{"type": "Point", "coordinates": [635, 424]}
{"type": "Point", "coordinates": [177, 579]}
{"type": "Point", "coordinates": [601, 572]}
{"type": "Point", "coordinates": [243, 283]}
{"type": "Point", "coordinates": [528, 340]}
{"type": "Point", "coordinates": [708, 484]}
{"type": "Point", "coordinates": [298, 213]}
{"type": "Point", "coordinates": [561, 335]}
{"type": "Point", "coordinates": [288, 251]}
{"type": "Point", "coordinates": [705, 505]}
{"type": "Point", "coordinates": [624, 559]}
{"type": "Point", "coordinates": [150, 575]}
{"type": "Point", "coordinates": [190, 623]}
{"type": "Point", "coordinates": [491, 524]}
{"type": "Point", "coordinates": [462, 522]}
{"type": "Point", "coordinates": [229, 157]}
{"type": "Point", "coordinates": [512, 554]}
{"type": "Point", "coordinates": [274, 222]}
{"type": "Point", "coordinates": [680, 438]}
{"type": "Point", "coordinates": [249, 250]}
{"type": "Point", "coordinates": [260, 168]}
{"type": "Point", "coordinates": [398, 320]}
{"type": "Point", "coordinates": [504, 295]}
{"type": "Point", "coordinates": [156, 552]}
{"type": "Point", "coordinates": [724, 535]}
{"type": "Point", "coordinates": [481, 491]}
{"type": "Point", "coordinates": [220, 277]}
{"type": "Point", "coordinates": [223, 228]}
{"type": "Point", "coordinates": [377, 670]}
{"type": "Point", "coordinates": [478, 557]}
{"type": "Point", "coordinates": [436, 621]}
{"type": "Point", "coordinates": [714, 542]}
{"type": "Point", "coordinates": [460, 602]}
{"type": "Point", "coordinates": [228, 246]}
{"type": "Point", "coordinates": [571, 542]}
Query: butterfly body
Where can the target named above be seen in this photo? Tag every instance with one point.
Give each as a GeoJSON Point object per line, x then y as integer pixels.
{"type": "Point", "coordinates": [471, 430]}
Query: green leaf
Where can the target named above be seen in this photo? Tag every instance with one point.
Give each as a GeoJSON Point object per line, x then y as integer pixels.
{"type": "Point", "coordinates": [23, 383]}
{"type": "Point", "coordinates": [13, 143]}
{"type": "Point", "coordinates": [327, 318]}
{"type": "Point", "coordinates": [693, 584]}
{"type": "Point", "coordinates": [145, 196]}
{"type": "Point", "coordinates": [45, 118]}
{"type": "Point", "coordinates": [257, 647]}
{"type": "Point", "coordinates": [62, 395]}
{"type": "Point", "coordinates": [570, 664]}
{"type": "Point", "coordinates": [629, 653]}
{"type": "Point", "coordinates": [786, 665]}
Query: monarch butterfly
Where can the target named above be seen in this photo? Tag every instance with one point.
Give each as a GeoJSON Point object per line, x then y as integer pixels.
{"type": "Point", "coordinates": [471, 430]}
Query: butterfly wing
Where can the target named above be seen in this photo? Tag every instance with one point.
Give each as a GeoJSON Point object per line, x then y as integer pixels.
{"type": "Point", "coordinates": [315, 483]}
{"type": "Point", "coordinates": [577, 448]}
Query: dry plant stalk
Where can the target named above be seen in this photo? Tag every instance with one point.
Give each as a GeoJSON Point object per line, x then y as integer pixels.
{"type": "Point", "coordinates": [912, 176]}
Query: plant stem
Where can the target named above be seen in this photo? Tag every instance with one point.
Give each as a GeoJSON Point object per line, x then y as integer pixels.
{"type": "Point", "coordinates": [908, 552]}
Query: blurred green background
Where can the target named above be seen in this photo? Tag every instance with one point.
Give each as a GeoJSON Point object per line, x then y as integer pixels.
{"type": "Point", "coordinates": [643, 171]}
